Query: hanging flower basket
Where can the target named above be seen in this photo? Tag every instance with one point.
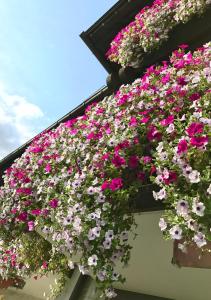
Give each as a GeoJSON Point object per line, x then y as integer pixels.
{"type": "Point", "coordinates": [192, 256]}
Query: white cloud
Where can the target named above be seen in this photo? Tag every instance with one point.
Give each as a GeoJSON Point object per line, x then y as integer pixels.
{"type": "Point", "coordinates": [18, 118]}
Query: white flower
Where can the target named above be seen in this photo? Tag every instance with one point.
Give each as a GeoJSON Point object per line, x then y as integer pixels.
{"type": "Point", "coordinates": [91, 190]}
{"type": "Point", "coordinates": [68, 220]}
{"type": "Point", "coordinates": [160, 147]}
{"type": "Point", "coordinates": [192, 224]}
{"type": "Point", "coordinates": [83, 270]}
{"type": "Point", "coordinates": [98, 213]}
{"type": "Point", "coordinates": [101, 275]}
{"type": "Point", "coordinates": [70, 264]}
{"type": "Point", "coordinates": [96, 231]}
{"type": "Point", "coordinates": [124, 236]}
{"type": "Point", "coordinates": [112, 142]}
{"type": "Point", "coordinates": [109, 234]}
{"type": "Point", "coordinates": [77, 223]}
{"type": "Point", "coordinates": [115, 257]}
{"type": "Point", "coordinates": [91, 235]}
{"type": "Point", "coordinates": [198, 208]}
{"type": "Point", "coordinates": [187, 170]}
{"type": "Point", "coordinates": [209, 190]}
{"type": "Point", "coordinates": [76, 184]}
{"type": "Point", "coordinates": [107, 244]}
{"type": "Point", "coordinates": [163, 156]}
{"type": "Point", "coordinates": [101, 198]}
{"type": "Point", "coordinates": [182, 208]}
{"type": "Point", "coordinates": [46, 230]}
{"type": "Point", "coordinates": [69, 243]}
{"type": "Point", "coordinates": [170, 128]}
{"type": "Point", "coordinates": [176, 232]}
{"type": "Point", "coordinates": [194, 176]}
{"type": "Point", "coordinates": [159, 195]}
{"type": "Point", "coordinates": [199, 239]}
{"type": "Point", "coordinates": [92, 260]}
{"type": "Point", "coordinates": [110, 293]}
{"type": "Point", "coordinates": [162, 224]}
{"type": "Point", "coordinates": [115, 276]}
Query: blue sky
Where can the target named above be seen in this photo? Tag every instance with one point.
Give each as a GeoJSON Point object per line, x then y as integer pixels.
{"type": "Point", "coordinates": [45, 68]}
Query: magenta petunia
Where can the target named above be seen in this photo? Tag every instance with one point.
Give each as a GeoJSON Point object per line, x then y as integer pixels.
{"type": "Point", "coordinates": [199, 141]}
{"type": "Point", "coordinates": [116, 184]}
{"type": "Point", "coordinates": [182, 146]}
{"type": "Point", "coordinates": [118, 161]}
{"type": "Point", "coordinates": [195, 128]}
{"type": "Point", "coordinates": [54, 203]}
{"type": "Point", "coordinates": [133, 161]}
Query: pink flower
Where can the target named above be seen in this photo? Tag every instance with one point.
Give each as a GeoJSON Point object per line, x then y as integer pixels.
{"type": "Point", "coordinates": [54, 203]}
{"type": "Point", "coordinates": [48, 168]}
{"type": "Point", "coordinates": [169, 120]}
{"type": "Point", "coordinates": [44, 265]}
{"type": "Point", "coordinates": [36, 149]}
{"type": "Point", "coordinates": [133, 122]}
{"type": "Point", "coordinates": [182, 146]}
{"type": "Point", "coordinates": [199, 141]}
{"type": "Point", "coordinates": [22, 216]}
{"type": "Point", "coordinates": [172, 177]}
{"type": "Point", "coordinates": [194, 96]}
{"type": "Point", "coordinates": [36, 212]}
{"type": "Point", "coordinates": [118, 161]}
{"type": "Point", "coordinates": [116, 184]}
{"type": "Point", "coordinates": [105, 185]}
{"type": "Point", "coordinates": [145, 120]}
{"type": "Point", "coordinates": [31, 225]}
{"type": "Point", "coordinates": [181, 81]}
{"type": "Point", "coordinates": [153, 134]}
{"type": "Point", "coordinates": [195, 128]}
{"type": "Point", "coordinates": [25, 191]}
{"type": "Point", "coordinates": [105, 156]}
{"type": "Point", "coordinates": [45, 212]}
{"type": "Point", "coordinates": [165, 78]}
{"type": "Point", "coordinates": [146, 159]}
{"type": "Point", "coordinates": [133, 161]}
{"type": "Point", "coordinates": [141, 176]}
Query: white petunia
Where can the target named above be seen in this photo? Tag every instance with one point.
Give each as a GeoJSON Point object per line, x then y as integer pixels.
{"type": "Point", "coordinates": [96, 231]}
{"type": "Point", "coordinates": [159, 195]}
{"type": "Point", "coordinates": [194, 176]}
{"type": "Point", "coordinates": [110, 293]}
{"type": "Point", "coordinates": [209, 190]}
{"type": "Point", "coordinates": [182, 208]}
{"type": "Point", "coordinates": [198, 208]}
{"type": "Point", "coordinates": [176, 232]}
{"type": "Point", "coordinates": [101, 275]}
{"type": "Point", "coordinates": [83, 270]}
{"type": "Point", "coordinates": [101, 198]}
{"type": "Point", "coordinates": [92, 260]}
{"type": "Point", "coordinates": [68, 220]}
{"type": "Point", "coordinates": [109, 234]}
{"type": "Point", "coordinates": [91, 190]}
{"type": "Point", "coordinates": [199, 239]}
{"type": "Point", "coordinates": [107, 244]}
{"type": "Point", "coordinates": [162, 224]}
{"type": "Point", "coordinates": [70, 264]}
{"type": "Point", "coordinates": [170, 128]}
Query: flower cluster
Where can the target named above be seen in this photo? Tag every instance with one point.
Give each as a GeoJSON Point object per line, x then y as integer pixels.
{"type": "Point", "coordinates": [150, 28]}
{"type": "Point", "coordinates": [74, 184]}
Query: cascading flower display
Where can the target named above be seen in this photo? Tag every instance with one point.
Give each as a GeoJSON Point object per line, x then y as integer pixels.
{"type": "Point", "coordinates": [150, 28]}
{"type": "Point", "coordinates": [74, 184]}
